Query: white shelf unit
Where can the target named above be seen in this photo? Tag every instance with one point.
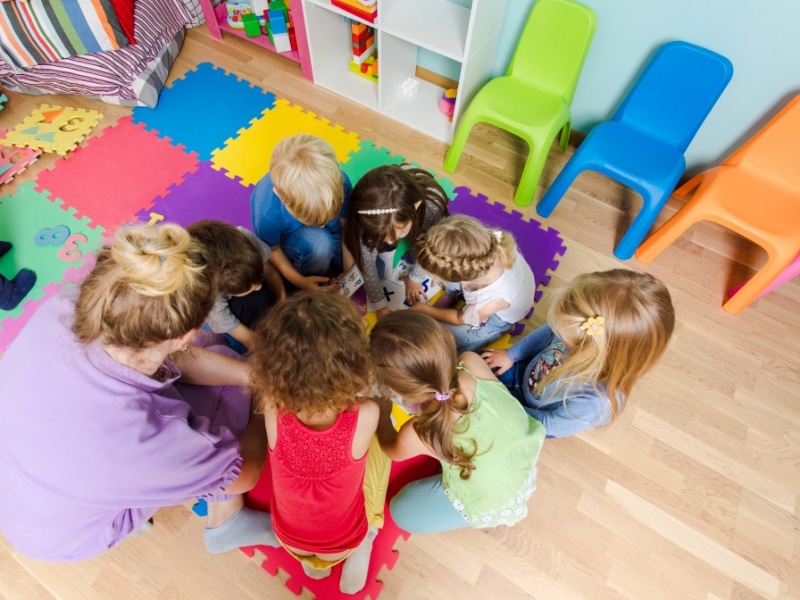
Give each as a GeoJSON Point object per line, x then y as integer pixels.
{"type": "Point", "coordinates": [466, 35]}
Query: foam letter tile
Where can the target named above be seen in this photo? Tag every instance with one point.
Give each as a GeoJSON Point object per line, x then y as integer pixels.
{"type": "Point", "coordinates": [56, 129]}
{"type": "Point", "coordinates": [13, 160]}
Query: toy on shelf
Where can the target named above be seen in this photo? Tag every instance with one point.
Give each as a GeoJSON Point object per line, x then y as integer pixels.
{"type": "Point", "coordinates": [252, 28]}
{"type": "Point", "coordinates": [278, 29]}
{"type": "Point", "coordinates": [363, 9]}
{"type": "Point", "coordinates": [447, 103]}
{"type": "Point", "coordinates": [365, 60]}
{"type": "Point", "coordinates": [236, 10]}
{"type": "Point", "coordinates": [410, 86]}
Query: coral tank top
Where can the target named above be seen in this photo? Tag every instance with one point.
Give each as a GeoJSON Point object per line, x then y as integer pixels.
{"type": "Point", "coordinates": [317, 486]}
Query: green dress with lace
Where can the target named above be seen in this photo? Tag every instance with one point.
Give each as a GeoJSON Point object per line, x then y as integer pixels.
{"type": "Point", "coordinates": [509, 442]}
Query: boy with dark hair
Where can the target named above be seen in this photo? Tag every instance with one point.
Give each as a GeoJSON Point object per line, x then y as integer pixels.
{"type": "Point", "coordinates": [241, 261]}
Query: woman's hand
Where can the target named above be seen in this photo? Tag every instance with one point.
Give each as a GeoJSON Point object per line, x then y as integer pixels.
{"type": "Point", "coordinates": [497, 359]}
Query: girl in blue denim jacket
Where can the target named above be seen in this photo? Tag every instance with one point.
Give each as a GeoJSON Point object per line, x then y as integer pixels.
{"type": "Point", "coordinates": [604, 331]}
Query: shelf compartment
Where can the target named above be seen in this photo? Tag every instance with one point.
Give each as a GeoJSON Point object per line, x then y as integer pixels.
{"type": "Point", "coordinates": [398, 61]}
{"type": "Point", "coordinates": [331, 53]}
{"type": "Point", "coordinates": [443, 30]}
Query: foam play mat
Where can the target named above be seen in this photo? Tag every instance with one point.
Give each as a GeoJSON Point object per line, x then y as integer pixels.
{"type": "Point", "coordinates": [182, 162]}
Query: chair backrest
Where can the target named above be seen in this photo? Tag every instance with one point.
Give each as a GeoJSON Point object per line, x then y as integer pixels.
{"type": "Point", "coordinates": [772, 152]}
{"type": "Point", "coordinates": [673, 96]}
{"type": "Point", "coordinates": [553, 46]}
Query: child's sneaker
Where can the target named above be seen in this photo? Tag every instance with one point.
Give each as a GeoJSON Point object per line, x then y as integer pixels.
{"type": "Point", "coordinates": [14, 291]}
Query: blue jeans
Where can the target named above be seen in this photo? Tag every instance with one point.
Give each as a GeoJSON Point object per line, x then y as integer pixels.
{"type": "Point", "coordinates": [423, 507]}
{"type": "Point", "coordinates": [313, 250]}
{"type": "Point", "coordinates": [469, 339]}
{"type": "Point", "coordinates": [516, 378]}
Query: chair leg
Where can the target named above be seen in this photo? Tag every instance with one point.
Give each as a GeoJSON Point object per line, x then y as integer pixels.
{"type": "Point", "coordinates": [640, 226]}
{"type": "Point", "coordinates": [531, 173]}
{"type": "Point", "coordinates": [564, 140]}
{"type": "Point", "coordinates": [689, 185]}
{"type": "Point", "coordinates": [790, 272]}
{"type": "Point", "coordinates": [754, 286]}
{"type": "Point", "coordinates": [665, 235]}
{"type": "Point", "coordinates": [457, 145]}
{"type": "Point", "coordinates": [559, 186]}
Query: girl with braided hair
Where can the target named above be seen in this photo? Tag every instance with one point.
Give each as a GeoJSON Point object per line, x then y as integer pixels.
{"type": "Point", "coordinates": [391, 203]}
{"type": "Point", "coordinates": [464, 417]}
{"type": "Point", "coordinates": [486, 267]}
{"type": "Point", "coordinates": [605, 330]}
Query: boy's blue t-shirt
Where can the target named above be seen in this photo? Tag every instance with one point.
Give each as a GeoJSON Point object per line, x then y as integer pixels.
{"type": "Point", "coordinates": [271, 218]}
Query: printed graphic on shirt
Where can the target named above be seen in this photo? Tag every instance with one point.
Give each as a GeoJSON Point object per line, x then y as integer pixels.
{"type": "Point", "coordinates": [549, 359]}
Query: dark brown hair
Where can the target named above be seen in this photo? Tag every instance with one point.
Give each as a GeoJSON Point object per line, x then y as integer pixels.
{"type": "Point", "coordinates": [236, 261]}
{"type": "Point", "coordinates": [397, 187]}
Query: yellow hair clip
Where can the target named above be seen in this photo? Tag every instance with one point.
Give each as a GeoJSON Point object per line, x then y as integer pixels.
{"type": "Point", "coordinates": [593, 325]}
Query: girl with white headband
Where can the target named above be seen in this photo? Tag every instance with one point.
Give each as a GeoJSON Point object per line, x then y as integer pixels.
{"type": "Point", "coordinates": [388, 204]}
{"type": "Point", "coordinates": [464, 417]}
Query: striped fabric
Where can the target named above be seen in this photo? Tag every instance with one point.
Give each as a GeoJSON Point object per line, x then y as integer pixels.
{"type": "Point", "coordinates": [131, 76]}
{"type": "Point", "coordinates": [34, 32]}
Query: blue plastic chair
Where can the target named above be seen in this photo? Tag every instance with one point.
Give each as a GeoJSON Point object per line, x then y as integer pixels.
{"type": "Point", "coordinates": [643, 144]}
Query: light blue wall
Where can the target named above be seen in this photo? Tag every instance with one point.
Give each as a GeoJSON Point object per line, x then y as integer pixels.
{"type": "Point", "coordinates": [760, 37]}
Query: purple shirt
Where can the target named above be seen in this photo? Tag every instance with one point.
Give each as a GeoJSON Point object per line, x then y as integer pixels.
{"type": "Point", "coordinates": [90, 448]}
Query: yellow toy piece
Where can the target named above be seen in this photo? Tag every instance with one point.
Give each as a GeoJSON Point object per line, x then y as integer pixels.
{"type": "Point", "coordinates": [56, 129]}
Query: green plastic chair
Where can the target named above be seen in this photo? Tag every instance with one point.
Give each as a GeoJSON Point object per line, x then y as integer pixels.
{"type": "Point", "coordinates": [532, 100]}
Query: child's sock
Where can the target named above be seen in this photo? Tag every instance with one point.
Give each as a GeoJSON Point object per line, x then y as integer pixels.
{"type": "Point", "coordinates": [354, 570]}
{"type": "Point", "coordinates": [246, 528]}
{"type": "Point", "coordinates": [315, 573]}
{"type": "Point", "coordinates": [143, 528]}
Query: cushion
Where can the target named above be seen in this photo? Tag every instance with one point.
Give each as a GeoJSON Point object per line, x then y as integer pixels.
{"type": "Point", "coordinates": [124, 12]}
{"type": "Point", "coordinates": [34, 32]}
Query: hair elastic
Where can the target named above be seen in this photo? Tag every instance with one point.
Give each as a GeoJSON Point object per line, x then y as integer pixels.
{"type": "Point", "coordinates": [442, 397]}
{"type": "Point", "coordinates": [377, 211]}
{"type": "Point", "coordinates": [498, 234]}
{"type": "Point", "coordinates": [161, 258]}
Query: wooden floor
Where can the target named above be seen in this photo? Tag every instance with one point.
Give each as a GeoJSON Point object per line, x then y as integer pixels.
{"type": "Point", "coordinates": [692, 494]}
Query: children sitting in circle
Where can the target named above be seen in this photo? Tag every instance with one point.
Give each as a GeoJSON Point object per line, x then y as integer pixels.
{"type": "Point", "coordinates": [464, 417]}
{"type": "Point", "coordinates": [483, 265]}
{"type": "Point", "coordinates": [247, 283]}
{"type": "Point", "coordinates": [605, 330]}
{"type": "Point", "coordinates": [391, 203]}
{"type": "Point", "coordinates": [329, 477]}
{"type": "Point", "coordinates": [298, 209]}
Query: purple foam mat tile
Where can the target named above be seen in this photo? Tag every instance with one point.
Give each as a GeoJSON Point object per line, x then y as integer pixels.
{"type": "Point", "coordinates": [541, 247]}
{"type": "Point", "coordinates": [205, 194]}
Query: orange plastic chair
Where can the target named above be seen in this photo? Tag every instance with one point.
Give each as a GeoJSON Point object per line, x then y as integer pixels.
{"type": "Point", "coordinates": [755, 193]}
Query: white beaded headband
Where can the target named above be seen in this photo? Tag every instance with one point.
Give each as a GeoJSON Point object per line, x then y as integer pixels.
{"type": "Point", "coordinates": [377, 211]}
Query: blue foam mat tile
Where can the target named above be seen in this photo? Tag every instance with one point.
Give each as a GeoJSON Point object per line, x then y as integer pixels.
{"type": "Point", "coordinates": [204, 108]}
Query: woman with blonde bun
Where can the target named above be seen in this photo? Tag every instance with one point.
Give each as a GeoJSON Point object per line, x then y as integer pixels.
{"type": "Point", "coordinates": [100, 426]}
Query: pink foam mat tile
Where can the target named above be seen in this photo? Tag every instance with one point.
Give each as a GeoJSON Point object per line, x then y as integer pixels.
{"type": "Point", "coordinates": [117, 174]}
{"type": "Point", "coordinates": [383, 551]}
